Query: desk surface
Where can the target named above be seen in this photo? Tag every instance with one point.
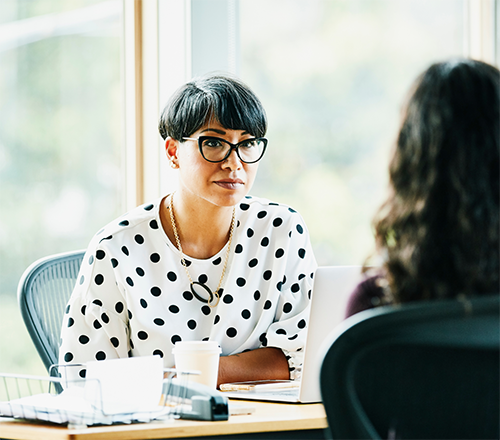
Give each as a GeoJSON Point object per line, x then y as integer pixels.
{"type": "Point", "coordinates": [268, 417]}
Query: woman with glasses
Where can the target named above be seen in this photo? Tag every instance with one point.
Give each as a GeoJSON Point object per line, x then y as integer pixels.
{"type": "Point", "coordinates": [438, 231]}
{"type": "Point", "coordinates": [206, 262]}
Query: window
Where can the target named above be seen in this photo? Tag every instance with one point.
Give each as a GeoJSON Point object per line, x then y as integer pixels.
{"type": "Point", "coordinates": [60, 141]}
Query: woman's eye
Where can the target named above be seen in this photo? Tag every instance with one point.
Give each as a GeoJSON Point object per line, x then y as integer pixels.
{"type": "Point", "coordinates": [212, 143]}
{"type": "Point", "coordinates": [251, 143]}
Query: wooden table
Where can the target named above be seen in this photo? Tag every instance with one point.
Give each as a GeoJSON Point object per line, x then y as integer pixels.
{"type": "Point", "coordinates": [269, 421]}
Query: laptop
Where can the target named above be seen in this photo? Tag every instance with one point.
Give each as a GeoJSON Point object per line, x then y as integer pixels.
{"type": "Point", "coordinates": [331, 290]}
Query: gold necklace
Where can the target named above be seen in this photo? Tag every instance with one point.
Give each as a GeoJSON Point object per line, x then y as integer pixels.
{"type": "Point", "coordinates": [211, 295]}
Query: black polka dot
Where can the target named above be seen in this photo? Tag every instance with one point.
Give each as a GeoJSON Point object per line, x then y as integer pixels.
{"type": "Point", "coordinates": [144, 303]}
{"type": "Point", "coordinates": [302, 275]}
{"type": "Point", "coordinates": [281, 331]}
{"type": "Point", "coordinates": [91, 259]}
{"type": "Point", "coordinates": [227, 299]}
{"type": "Point", "coordinates": [268, 305]}
{"type": "Point", "coordinates": [202, 279]}
{"type": "Point", "coordinates": [174, 309]}
{"type": "Point", "coordinates": [71, 321]}
{"type": "Point", "coordinates": [263, 339]}
{"type": "Point", "coordinates": [175, 338]}
{"type": "Point", "coordinates": [68, 307]}
{"type": "Point", "coordinates": [244, 206]}
{"type": "Point", "coordinates": [216, 319]}
{"type": "Point", "coordinates": [125, 250]}
{"type": "Point", "coordinates": [158, 353]}
{"type": "Point", "coordinates": [264, 242]}
{"type": "Point", "coordinates": [277, 222]}
{"type": "Point", "coordinates": [97, 325]}
{"type": "Point", "coordinates": [84, 339]}
{"type": "Point", "coordinates": [279, 286]}
{"type": "Point", "coordinates": [115, 342]}
{"type": "Point", "coordinates": [100, 355]}
{"type": "Point", "coordinates": [241, 282]}
{"type": "Point", "coordinates": [302, 253]}
{"type": "Point", "coordinates": [191, 324]}
{"type": "Point", "coordinates": [83, 310]}
{"type": "Point", "coordinates": [149, 207]}
{"type": "Point", "coordinates": [301, 323]}
{"type": "Point", "coordinates": [142, 335]}
{"type": "Point", "coordinates": [119, 307]}
{"type": "Point", "coordinates": [267, 275]}
{"type": "Point", "coordinates": [153, 224]}
{"type": "Point", "coordinates": [155, 291]}
{"type": "Point", "coordinates": [172, 276]}
{"type": "Point", "coordinates": [256, 295]}
{"type": "Point", "coordinates": [250, 232]}
{"type": "Point", "coordinates": [155, 258]}
{"type": "Point", "coordinates": [279, 253]}
{"type": "Point", "coordinates": [82, 279]}
{"type": "Point", "coordinates": [129, 314]}
{"type": "Point", "coordinates": [246, 314]}
{"type": "Point", "coordinates": [97, 302]}
{"type": "Point", "coordinates": [292, 210]}
{"type": "Point", "coordinates": [159, 321]}
{"type": "Point", "coordinates": [287, 308]}
{"type": "Point", "coordinates": [124, 223]}
{"type": "Point", "coordinates": [188, 263]}
{"type": "Point", "coordinates": [300, 229]}
{"type": "Point", "coordinates": [253, 262]}
{"type": "Point", "coordinates": [129, 281]}
{"type": "Point", "coordinates": [217, 261]}
{"type": "Point", "coordinates": [68, 357]}
{"type": "Point", "coordinates": [100, 254]}
{"type": "Point", "coordinates": [139, 271]}
{"type": "Point", "coordinates": [291, 338]}
{"type": "Point", "coordinates": [139, 239]}
{"type": "Point", "coordinates": [231, 332]}
{"type": "Point", "coordinates": [261, 214]}
{"type": "Point", "coordinates": [295, 288]}
{"type": "Point", "coordinates": [104, 318]}
{"type": "Point", "coordinates": [82, 373]}
{"type": "Point", "coordinates": [114, 262]}
{"type": "Point", "coordinates": [206, 310]}
{"type": "Point", "coordinates": [238, 249]}
{"type": "Point", "coordinates": [188, 296]}
{"type": "Point", "coordinates": [132, 344]}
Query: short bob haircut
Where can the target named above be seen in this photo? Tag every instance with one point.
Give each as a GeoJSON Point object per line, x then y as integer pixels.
{"type": "Point", "coordinates": [212, 98]}
{"type": "Point", "coordinates": [439, 228]}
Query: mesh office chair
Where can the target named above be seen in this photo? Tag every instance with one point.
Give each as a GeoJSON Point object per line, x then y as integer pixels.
{"type": "Point", "coordinates": [423, 370]}
{"type": "Point", "coordinates": [43, 291]}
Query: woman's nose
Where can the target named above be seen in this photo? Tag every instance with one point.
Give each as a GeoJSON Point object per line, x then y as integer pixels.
{"type": "Point", "coordinates": [233, 161]}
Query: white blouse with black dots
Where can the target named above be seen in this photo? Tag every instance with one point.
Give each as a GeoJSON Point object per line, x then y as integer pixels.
{"type": "Point", "coordinates": [132, 296]}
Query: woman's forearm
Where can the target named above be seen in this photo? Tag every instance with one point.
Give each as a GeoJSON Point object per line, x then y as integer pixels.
{"type": "Point", "coordinates": [260, 364]}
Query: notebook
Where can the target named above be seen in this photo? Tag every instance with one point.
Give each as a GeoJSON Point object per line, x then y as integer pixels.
{"type": "Point", "coordinates": [331, 290]}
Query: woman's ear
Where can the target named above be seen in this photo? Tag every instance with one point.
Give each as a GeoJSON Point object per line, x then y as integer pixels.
{"type": "Point", "coordinates": [171, 147]}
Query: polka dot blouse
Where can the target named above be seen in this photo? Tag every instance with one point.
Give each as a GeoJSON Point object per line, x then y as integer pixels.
{"type": "Point", "coordinates": [132, 296]}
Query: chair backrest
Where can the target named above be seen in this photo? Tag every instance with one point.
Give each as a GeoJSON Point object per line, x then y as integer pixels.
{"type": "Point", "coordinates": [423, 370]}
{"type": "Point", "coordinates": [43, 292]}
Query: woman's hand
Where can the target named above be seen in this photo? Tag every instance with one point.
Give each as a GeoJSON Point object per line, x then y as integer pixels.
{"type": "Point", "coordinates": [260, 364]}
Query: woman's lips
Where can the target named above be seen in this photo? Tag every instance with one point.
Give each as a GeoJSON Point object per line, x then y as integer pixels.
{"type": "Point", "coordinates": [229, 183]}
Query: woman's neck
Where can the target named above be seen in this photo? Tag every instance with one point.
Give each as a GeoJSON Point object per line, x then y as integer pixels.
{"type": "Point", "coordinates": [202, 227]}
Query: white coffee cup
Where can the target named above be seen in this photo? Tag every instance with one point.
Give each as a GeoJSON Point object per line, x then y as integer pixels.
{"type": "Point", "coordinates": [198, 356]}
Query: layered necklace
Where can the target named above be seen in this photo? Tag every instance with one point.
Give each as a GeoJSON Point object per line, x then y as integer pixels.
{"type": "Point", "coordinates": [213, 297]}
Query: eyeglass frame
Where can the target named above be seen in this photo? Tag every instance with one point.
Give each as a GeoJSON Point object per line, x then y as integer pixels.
{"type": "Point", "coordinates": [232, 147]}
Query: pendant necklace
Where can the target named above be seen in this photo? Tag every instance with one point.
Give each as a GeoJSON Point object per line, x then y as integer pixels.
{"type": "Point", "coordinates": [212, 296]}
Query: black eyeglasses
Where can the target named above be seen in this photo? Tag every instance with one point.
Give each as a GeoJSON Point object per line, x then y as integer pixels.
{"type": "Point", "coordinates": [214, 149]}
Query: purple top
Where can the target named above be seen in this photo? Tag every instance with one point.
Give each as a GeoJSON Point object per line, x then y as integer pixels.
{"type": "Point", "coordinates": [366, 295]}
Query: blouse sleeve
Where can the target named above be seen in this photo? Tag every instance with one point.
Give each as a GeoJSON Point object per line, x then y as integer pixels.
{"type": "Point", "coordinates": [289, 330]}
{"type": "Point", "coordinates": [95, 324]}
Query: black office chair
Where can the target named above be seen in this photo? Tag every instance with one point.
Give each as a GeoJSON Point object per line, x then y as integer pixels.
{"type": "Point", "coordinates": [43, 292]}
{"type": "Point", "coordinates": [424, 370]}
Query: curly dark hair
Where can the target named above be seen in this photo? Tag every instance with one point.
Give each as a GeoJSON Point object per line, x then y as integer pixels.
{"type": "Point", "coordinates": [439, 228]}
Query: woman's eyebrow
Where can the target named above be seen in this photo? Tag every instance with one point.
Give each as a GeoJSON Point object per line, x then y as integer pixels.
{"type": "Point", "coordinates": [216, 130]}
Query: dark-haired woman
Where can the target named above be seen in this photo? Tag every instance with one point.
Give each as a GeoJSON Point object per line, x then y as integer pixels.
{"type": "Point", "coordinates": [438, 232]}
{"type": "Point", "coordinates": [206, 262]}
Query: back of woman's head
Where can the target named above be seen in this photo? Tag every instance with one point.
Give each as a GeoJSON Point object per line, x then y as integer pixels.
{"type": "Point", "coordinates": [439, 228]}
{"type": "Point", "coordinates": [218, 98]}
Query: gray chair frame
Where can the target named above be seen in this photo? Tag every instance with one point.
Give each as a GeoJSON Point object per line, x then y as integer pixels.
{"type": "Point", "coordinates": [421, 370]}
{"type": "Point", "coordinates": [43, 292]}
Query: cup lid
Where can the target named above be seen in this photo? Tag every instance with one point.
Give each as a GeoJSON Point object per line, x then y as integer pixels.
{"type": "Point", "coordinates": [196, 346]}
